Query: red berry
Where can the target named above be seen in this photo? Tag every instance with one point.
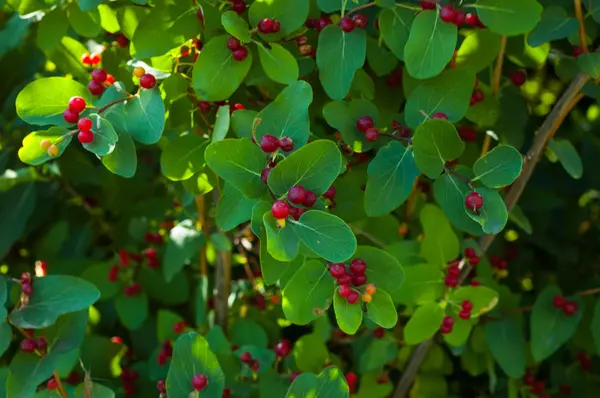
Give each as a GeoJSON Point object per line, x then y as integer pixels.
{"type": "Point", "coordinates": [77, 104]}
{"type": "Point", "coordinates": [286, 144]}
{"type": "Point", "coordinates": [445, 329]}
{"type": "Point", "coordinates": [352, 297]}
{"type": "Point", "coordinates": [95, 88]}
{"type": "Point", "coordinates": [364, 123]}
{"type": "Point", "coordinates": [351, 378]}
{"type": "Point", "coordinates": [439, 115]}
{"type": "Point", "coordinates": [240, 54]}
{"type": "Point", "coordinates": [226, 393]}
{"type": "Point", "coordinates": [199, 45]}
{"type": "Point", "coordinates": [464, 315]}
{"type": "Point", "coordinates": [558, 301]}
{"type": "Point", "coordinates": [474, 202]}
{"type": "Point", "coordinates": [454, 271]}
{"type": "Point", "coordinates": [475, 283]}
{"type": "Point", "coordinates": [344, 279]}
{"type": "Point", "coordinates": [570, 308]}
{"type": "Point", "coordinates": [264, 175]}
{"type": "Point", "coordinates": [322, 23]}
{"type": "Point", "coordinates": [459, 18]}
{"type": "Point", "coordinates": [379, 333]}
{"type": "Point", "coordinates": [41, 343]}
{"type": "Point", "coordinates": [451, 281]}
{"type": "Point", "coordinates": [269, 143]}
{"type": "Point", "coordinates": [147, 81]}
{"type": "Point", "coordinates": [474, 261]}
{"type": "Point", "coordinates": [28, 345]}
{"type": "Point", "coordinates": [344, 290]}
{"type": "Point", "coordinates": [124, 258]}
{"type": "Point", "coordinates": [283, 348]}
{"type": "Point", "coordinates": [577, 51]}
{"type": "Point", "coordinates": [276, 26]}
{"type": "Point", "coordinates": [371, 134]}
{"type": "Point", "coordinates": [161, 386]}
{"type": "Point", "coordinates": [280, 209]}
{"type": "Point", "coordinates": [359, 280]}
{"type": "Point", "coordinates": [309, 199]}
{"type": "Point", "coordinates": [296, 212]}
{"type": "Point", "coordinates": [27, 288]}
{"type": "Point", "coordinates": [265, 25]}
{"type": "Point", "coordinates": [448, 321]}
{"type": "Point", "coordinates": [518, 78]}
{"type": "Point", "coordinates": [467, 134]}
{"type": "Point", "coordinates": [529, 379]}
{"type": "Point", "coordinates": [99, 75]}
{"type": "Point", "coordinates": [447, 13]}
{"type": "Point", "coordinates": [358, 266]}
{"type": "Point", "coordinates": [337, 270]}
{"type": "Point", "coordinates": [70, 116]}
{"type": "Point", "coordinates": [25, 277]}
{"type": "Point", "coordinates": [199, 382]}
{"type": "Point", "coordinates": [427, 4]}
{"type": "Point", "coordinates": [347, 24]}
{"type": "Point", "coordinates": [86, 59]}
{"type": "Point", "coordinates": [51, 384]}
{"type": "Point", "coordinates": [360, 20]}
{"type": "Point", "coordinates": [113, 273]}
{"type": "Point", "coordinates": [236, 107]}
{"type": "Point", "coordinates": [238, 6]}
{"type": "Point", "coordinates": [470, 252]}
{"type": "Point", "coordinates": [84, 124]}
{"type": "Point", "coordinates": [330, 193]}
{"type": "Point", "coordinates": [477, 96]}
{"type": "Point", "coordinates": [466, 305]}
{"type": "Point", "coordinates": [179, 327]}
{"type": "Point", "coordinates": [472, 19]}
{"type": "Point", "coordinates": [246, 357]}
{"type": "Point", "coordinates": [233, 43]}
{"type": "Point", "coordinates": [95, 59]}
{"type": "Point", "coordinates": [85, 137]}
{"type": "Point", "coordinates": [133, 289]}
{"type": "Point", "coordinates": [297, 194]}
{"type": "Point", "coordinates": [204, 106]}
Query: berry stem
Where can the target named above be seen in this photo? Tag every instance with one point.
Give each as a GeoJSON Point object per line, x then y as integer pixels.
{"type": "Point", "coordinates": [358, 8]}
{"type": "Point", "coordinates": [105, 107]}
{"type": "Point", "coordinates": [582, 35]}
{"type": "Point", "coordinates": [393, 137]}
{"type": "Point", "coordinates": [460, 177]}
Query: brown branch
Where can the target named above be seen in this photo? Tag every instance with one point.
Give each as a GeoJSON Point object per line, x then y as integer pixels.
{"type": "Point", "coordinates": [580, 19]}
{"type": "Point", "coordinates": [545, 132]}
{"type": "Point", "coordinates": [360, 8]}
{"type": "Point", "coordinates": [222, 281]}
{"type": "Point", "coordinates": [105, 107]}
{"type": "Point", "coordinates": [61, 388]}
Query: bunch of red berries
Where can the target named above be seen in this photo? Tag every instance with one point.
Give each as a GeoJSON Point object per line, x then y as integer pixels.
{"type": "Point", "coordinates": [71, 115]}
{"type": "Point", "coordinates": [267, 26]}
{"type": "Point", "coordinates": [352, 380]}
{"type": "Point", "coordinates": [318, 23]}
{"type": "Point", "coordinates": [451, 15]}
{"type": "Point", "coordinates": [100, 79]}
{"type": "Point", "coordinates": [447, 325]}
{"type": "Point", "coordinates": [270, 143]}
{"type": "Point", "coordinates": [365, 125]}
{"type": "Point", "coordinates": [165, 353]}
{"type": "Point", "coordinates": [29, 345]}
{"type": "Point", "coordinates": [499, 262]}
{"type": "Point", "coordinates": [128, 378]}
{"type": "Point", "coordinates": [252, 363]}
{"type": "Point", "coordinates": [465, 311]}
{"type": "Point", "coordinates": [353, 275]}
{"type": "Point", "coordinates": [357, 21]}
{"type": "Point", "coordinates": [453, 274]}
{"type": "Point", "coordinates": [151, 255]}
{"type": "Point", "coordinates": [238, 51]}
{"type": "Point", "coordinates": [147, 80]}
{"type": "Point", "coordinates": [536, 386]}
{"type": "Point", "coordinates": [26, 285]}
{"type": "Point", "coordinates": [93, 59]}
{"type": "Point", "coordinates": [297, 195]}
{"type": "Point", "coordinates": [569, 308]}
{"type": "Point", "coordinates": [471, 256]}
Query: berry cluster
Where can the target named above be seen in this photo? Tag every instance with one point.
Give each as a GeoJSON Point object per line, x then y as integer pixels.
{"type": "Point", "coordinates": [353, 275]}
{"type": "Point", "coordinates": [318, 23]}
{"type": "Point", "coordinates": [26, 286]}
{"type": "Point", "coordinates": [283, 348]}
{"type": "Point", "coordinates": [451, 15]}
{"type": "Point", "coordinates": [29, 345]}
{"type": "Point", "coordinates": [100, 79]}
{"type": "Point", "coordinates": [238, 6]}
{"type": "Point", "coordinates": [471, 256]}
{"type": "Point", "coordinates": [467, 133]}
{"type": "Point", "coordinates": [125, 257]}
{"type": "Point", "coordinates": [569, 308]}
{"type": "Point", "coordinates": [270, 143]}
{"type": "Point", "coordinates": [297, 195]}
{"type": "Point", "coordinates": [252, 363]}
{"type": "Point", "coordinates": [71, 115]}
{"type": "Point", "coordinates": [536, 386]}
{"type": "Point", "coordinates": [238, 51]}
{"type": "Point", "coordinates": [267, 26]}
{"type": "Point", "coordinates": [304, 48]}
{"type": "Point", "coordinates": [199, 382]}
{"type": "Point", "coordinates": [465, 309]}
{"type": "Point", "coordinates": [365, 125]}
{"type": "Point", "coordinates": [128, 378]}
{"type": "Point", "coordinates": [147, 80]}
{"type": "Point", "coordinates": [453, 274]}
{"type": "Point", "coordinates": [93, 59]}
{"type": "Point", "coordinates": [447, 325]}
{"type": "Point", "coordinates": [474, 202]}
{"type": "Point", "coordinates": [357, 21]}
{"type": "Point", "coordinates": [165, 353]}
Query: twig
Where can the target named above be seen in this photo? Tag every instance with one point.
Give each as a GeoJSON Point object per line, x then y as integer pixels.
{"type": "Point", "coordinates": [487, 141]}
{"type": "Point", "coordinates": [360, 8]}
{"type": "Point", "coordinates": [394, 137]}
{"type": "Point", "coordinates": [547, 129]}
{"type": "Point", "coordinates": [61, 388]}
{"type": "Point", "coordinates": [410, 205]}
{"type": "Point", "coordinates": [105, 107]}
{"type": "Point", "coordinates": [582, 35]}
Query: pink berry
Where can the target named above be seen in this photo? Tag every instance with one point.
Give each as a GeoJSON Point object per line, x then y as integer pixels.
{"type": "Point", "coordinates": [280, 209]}
{"type": "Point", "coordinates": [358, 266]}
{"type": "Point", "coordinates": [239, 6]}
{"type": "Point", "coordinates": [310, 199]}
{"type": "Point", "coordinates": [470, 252]}
{"type": "Point", "coordinates": [296, 212]}
{"type": "Point", "coordinates": [448, 321]}
{"type": "Point", "coordinates": [344, 279]}
{"type": "Point", "coordinates": [240, 54]}
{"type": "Point", "coordinates": [427, 4]}
{"type": "Point", "coordinates": [447, 13]}
{"type": "Point", "coordinates": [352, 297]}
{"type": "Point", "coordinates": [28, 345]}
{"type": "Point", "coordinates": [95, 88]}
{"type": "Point", "coordinates": [265, 25]}
{"type": "Point", "coordinates": [570, 308]}
{"type": "Point", "coordinates": [330, 193]}
{"type": "Point", "coordinates": [451, 281]}
{"type": "Point", "coordinates": [77, 104]}
{"type": "Point", "coordinates": [359, 280]}
{"type": "Point", "coordinates": [371, 134]}
{"type": "Point", "coordinates": [364, 123]}
{"type": "Point", "coordinates": [459, 18]}
{"type": "Point", "coordinates": [360, 20]}
{"type": "Point", "coordinates": [276, 26]}
{"type": "Point", "coordinates": [283, 348]}
{"type": "Point", "coordinates": [199, 382]}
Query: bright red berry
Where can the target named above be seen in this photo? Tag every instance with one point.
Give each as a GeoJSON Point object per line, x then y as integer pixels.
{"type": "Point", "coordinates": [70, 116]}
{"type": "Point", "coordinates": [133, 289]}
{"type": "Point", "coordinates": [84, 124]}
{"type": "Point", "coordinates": [427, 4]}
{"type": "Point", "coordinates": [239, 6]}
{"type": "Point", "coordinates": [570, 308]}
{"type": "Point", "coordinates": [364, 123]}
{"type": "Point", "coordinates": [371, 134]}
{"type": "Point", "coordinates": [518, 78]}
{"type": "Point", "coordinates": [286, 144]}
{"type": "Point", "coordinates": [439, 115]}
{"type": "Point", "coordinates": [352, 297]}
{"type": "Point", "coordinates": [477, 96]}
{"type": "Point", "coordinates": [199, 382]}
{"type": "Point", "coordinates": [347, 24]}
{"type": "Point", "coordinates": [474, 202]}
{"type": "Point", "coordinates": [147, 81]}
{"type": "Point", "coordinates": [179, 327]}
{"type": "Point", "coordinates": [454, 271]}
{"type": "Point", "coordinates": [344, 279]}
{"type": "Point", "coordinates": [470, 252]}
{"type": "Point", "coordinates": [240, 54]}
{"type": "Point", "coordinates": [265, 25]}
{"type": "Point", "coordinates": [77, 104]}
{"type": "Point", "coordinates": [283, 348]}
{"type": "Point", "coordinates": [280, 209]}
{"type": "Point", "coordinates": [246, 357]}
{"type": "Point", "coordinates": [466, 305]}
{"type": "Point", "coordinates": [358, 266]}
{"type": "Point", "coordinates": [558, 301]}
{"type": "Point", "coordinates": [269, 143]}
{"type": "Point", "coordinates": [451, 281]}
{"type": "Point", "coordinates": [310, 199]}
{"type": "Point", "coordinates": [233, 43]}
{"type": "Point", "coordinates": [337, 270]}
{"type": "Point", "coordinates": [447, 13]}
{"type": "Point", "coordinates": [28, 345]}
{"type": "Point", "coordinates": [264, 175]}
{"type": "Point", "coordinates": [85, 137]}
{"type": "Point", "coordinates": [359, 280]}
{"type": "Point", "coordinates": [95, 59]}
{"type": "Point", "coordinates": [472, 19]}
{"type": "Point", "coordinates": [360, 20]}
{"type": "Point", "coordinates": [445, 329]}
{"type": "Point", "coordinates": [99, 75]}
{"type": "Point", "coordinates": [475, 283]}
{"type": "Point", "coordinates": [51, 384]}
{"type": "Point", "coordinates": [351, 378]}
{"type": "Point", "coordinates": [297, 194]}
{"type": "Point", "coordinates": [322, 23]}
{"type": "Point", "coordinates": [464, 315]}
{"type": "Point", "coordinates": [86, 59]}
{"type": "Point", "coordinates": [27, 288]}
{"type": "Point", "coordinates": [113, 273]}
{"type": "Point", "coordinates": [459, 18]}
{"type": "Point", "coordinates": [344, 290]}
{"type": "Point", "coordinates": [95, 88]}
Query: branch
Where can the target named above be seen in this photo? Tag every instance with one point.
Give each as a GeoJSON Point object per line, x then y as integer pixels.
{"type": "Point", "coordinates": [545, 132]}
{"type": "Point", "coordinates": [360, 8]}
{"type": "Point", "coordinates": [487, 141]}
{"type": "Point", "coordinates": [222, 281]}
{"type": "Point", "coordinates": [582, 35]}
{"type": "Point", "coordinates": [105, 107]}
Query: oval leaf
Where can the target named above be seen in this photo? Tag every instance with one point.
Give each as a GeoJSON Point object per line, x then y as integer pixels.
{"type": "Point", "coordinates": [435, 142]}
{"type": "Point", "coordinates": [278, 63]}
{"type": "Point", "coordinates": [382, 311]}
{"type": "Point", "coordinates": [499, 167]}
{"type": "Point", "coordinates": [423, 323]}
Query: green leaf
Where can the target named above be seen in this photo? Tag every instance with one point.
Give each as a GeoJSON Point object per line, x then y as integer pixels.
{"type": "Point", "coordinates": [183, 157]}
{"type": "Point", "coordinates": [216, 74]}
{"type": "Point", "coordinates": [191, 355]}
{"type": "Point", "coordinates": [291, 15]}
{"type": "Point", "coordinates": [460, 332]}
{"type": "Point", "coordinates": [6, 336]}
{"type": "Point", "coordinates": [247, 332]}
{"type": "Point", "coordinates": [16, 207]}
{"type": "Point", "coordinates": [545, 317]}
{"type": "Point", "coordinates": [329, 6]}
{"type": "Point", "coordinates": [221, 242]}
{"type": "Point", "coordinates": [423, 284]}
{"type": "Point", "coordinates": [43, 101]}
{"type": "Point", "coordinates": [506, 342]}
{"type": "Point", "coordinates": [381, 310]}
{"type": "Point", "coordinates": [239, 162]}
{"type": "Point", "coordinates": [423, 323]}
{"type": "Point", "coordinates": [478, 50]}
{"type": "Point", "coordinates": [108, 17]}
{"type": "Point", "coordinates": [348, 316]}
{"type": "Point", "coordinates": [440, 244]}
{"type": "Point", "coordinates": [394, 25]}
{"type": "Point", "coordinates": [483, 298]}
{"type": "Point", "coordinates": [448, 93]}
{"type": "Point", "coordinates": [54, 295]}
{"type": "Point", "coordinates": [123, 159]}
{"type": "Point", "coordinates": [509, 17]}
{"type": "Point", "coordinates": [233, 208]}
{"type": "Point", "coordinates": [164, 325]}
{"type": "Point", "coordinates": [132, 310]}
{"type": "Point", "coordinates": [278, 63]}
{"type": "Point", "coordinates": [379, 58]}
{"type": "Point", "coordinates": [105, 137]}
{"type": "Point", "coordinates": [493, 215]}
{"type": "Point", "coordinates": [68, 332]}
{"type": "Point", "coordinates": [287, 115]}
{"type": "Point", "coordinates": [86, 24]}
{"type": "Point", "coordinates": [325, 234]}
{"type": "Point", "coordinates": [236, 26]}
{"type": "Point", "coordinates": [568, 156]}
{"type": "Point", "coordinates": [379, 352]}
{"type": "Point", "coordinates": [330, 383]}
{"type": "Point", "coordinates": [97, 391]}
{"type": "Point", "coordinates": [27, 371]}
{"type": "Point", "coordinates": [435, 142]}
{"type": "Point", "coordinates": [343, 117]}
{"type": "Point", "coordinates": [221, 123]}
{"type": "Point", "coordinates": [430, 45]}
{"type": "Point", "coordinates": [450, 191]}
{"type": "Point", "coordinates": [382, 268]}
{"type": "Point", "coordinates": [307, 295]}
{"type": "Point", "coordinates": [155, 285]}
{"type": "Point", "coordinates": [274, 271]}
{"type": "Point", "coordinates": [51, 29]}
{"type": "Point", "coordinates": [310, 353]}
{"type": "Point", "coordinates": [499, 167]}
{"type": "Point", "coordinates": [282, 242]}
{"type": "Point", "coordinates": [31, 152]}
{"type": "Point", "coordinates": [517, 216]}
{"type": "Point", "coordinates": [391, 175]}
{"type": "Point", "coordinates": [184, 242]}
{"type": "Point", "coordinates": [163, 29]}
{"type": "Point", "coordinates": [555, 24]}
{"type": "Point", "coordinates": [339, 56]}
{"type": "Point", "coordinates": [242, 121]}
{"type": "Point", "coordinates": [145, 117]}
{"type": "Point", "coordinates": [314, 166]}
{"type": "Point", "coordinates": [595, 325]}
{"type": "Point", "coordinates": [487, 112]}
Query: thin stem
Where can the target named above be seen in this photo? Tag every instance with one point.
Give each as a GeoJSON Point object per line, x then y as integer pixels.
{"type": "Point", "coordinates": [410, 204]}
{"type": "Point", "coordinates": [460, 177]}
{"type": "Point", "coordinates": [487, 141]}
{"type": "Point", "coordinates": [61, 388]}
{"type": "Point", "coordinates": [582, 35]}
{"type": "Point", "coordinates": [394, 137]}
{"type": "Point", "coordinates": [352, 11]}
{"type": "Point", "coordinates": [105, 107]}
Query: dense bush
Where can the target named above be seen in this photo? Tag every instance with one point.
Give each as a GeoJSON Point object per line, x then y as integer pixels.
{"type": "Point", "coordinates": [299, 198]}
